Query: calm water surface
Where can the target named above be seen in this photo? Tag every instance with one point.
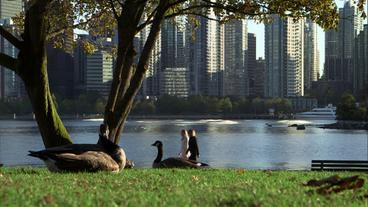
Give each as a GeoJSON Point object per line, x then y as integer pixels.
{"type": "Point", "coordinates": [222, 143]}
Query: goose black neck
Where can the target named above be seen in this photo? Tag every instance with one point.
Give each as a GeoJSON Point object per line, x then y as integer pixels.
{"type": "Point", "coordinates": [159, 154]}
{"type": "Point", "coordinates": [108, 145]}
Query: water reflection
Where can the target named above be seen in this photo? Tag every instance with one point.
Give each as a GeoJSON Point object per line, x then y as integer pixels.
{"type": "Point", "coordinates": [223, 143]}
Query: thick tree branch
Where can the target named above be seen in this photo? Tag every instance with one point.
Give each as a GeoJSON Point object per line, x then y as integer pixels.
{"type": "Point", "coordinates": [126, 101]}
{"type": "Point", "coordinates": [127, 72]}
{"type": "Point", "coordinates": [124, 49]}
{"type": "Point", "coordinates": [127, 22]}
{"type": "Point", "coordinates": [8, 62]}
{"type": "Point", "coordinates": [10, 37]}
{"type": "Point", "coordinates": [152, 14]}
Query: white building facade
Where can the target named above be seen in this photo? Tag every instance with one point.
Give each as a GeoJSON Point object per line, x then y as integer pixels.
{"type": "Point", "coordinates": [284, 56]}
{"type": "Point", "coordinates": [311, 59]}
{"type": "Point", "coordinates": [99, 69]}
{"type": "Point", "coordinates": [235, 47]}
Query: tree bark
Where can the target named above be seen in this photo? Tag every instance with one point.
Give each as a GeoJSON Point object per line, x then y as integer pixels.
{"type": "Point", "coordinates": [33, 71]}
{"type": "Point", "coordinates": [125, 102]}
{"type": "Point", "coordinates": [127, 24]}
{"type": "Point", "coordinates": [49, 123]}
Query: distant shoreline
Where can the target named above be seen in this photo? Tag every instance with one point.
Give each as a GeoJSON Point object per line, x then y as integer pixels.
{"type": "Point", "coordinates": [156, 117]}
{"type": "Point", "coordinates": [347, 125]}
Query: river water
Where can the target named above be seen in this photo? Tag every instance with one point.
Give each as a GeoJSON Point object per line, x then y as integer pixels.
{"type": "Point", "coordinates": [250, 144]}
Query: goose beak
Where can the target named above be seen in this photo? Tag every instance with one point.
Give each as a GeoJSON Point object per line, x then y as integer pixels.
{"type": "Point", "coordinates": [153, 144]}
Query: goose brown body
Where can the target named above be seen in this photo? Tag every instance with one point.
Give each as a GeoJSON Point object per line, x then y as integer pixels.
{"type": "Point", "coordinates": [103, 156]}
{"type": "Point", "coordinates": [77, 158]}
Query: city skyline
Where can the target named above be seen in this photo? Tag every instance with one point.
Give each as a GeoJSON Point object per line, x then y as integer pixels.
{"type": "Point", "coordinates": [259, 30]}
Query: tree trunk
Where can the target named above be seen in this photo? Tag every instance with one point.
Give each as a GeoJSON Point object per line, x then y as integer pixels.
{"type": "Point", "coordinates": [32, 69]}
{"type": "Point", "coordinates": [124, 102]}
{"type": "Point", "coordinates": [127, 24]}
{"type": "Point", "coordinates": [49, 123]}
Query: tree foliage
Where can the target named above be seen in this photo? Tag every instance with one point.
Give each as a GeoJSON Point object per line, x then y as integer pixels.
{"type": "Point", "coordinates": [348, 109]}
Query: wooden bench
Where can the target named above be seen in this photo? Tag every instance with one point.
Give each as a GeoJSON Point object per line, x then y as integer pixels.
{"type": "Point", "coordinates": [346, 165]}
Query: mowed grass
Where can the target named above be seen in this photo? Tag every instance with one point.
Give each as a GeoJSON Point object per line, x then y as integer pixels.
{"type": "Point", "coordinates": [171, 187]}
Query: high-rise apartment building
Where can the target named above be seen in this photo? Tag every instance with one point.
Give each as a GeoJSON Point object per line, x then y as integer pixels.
{"type": "Point", "coordinates": [284, 53]}
{"type": "Point", "coordinates": [311, 61]}
{"type": "Point", "coordinates": [60, 66]}
{"type": "Point", "coordinates": [339, 44]}
{"type": "Point", "coordinates": [173, 44]}
{"type": "Point", "coordinates": [235, 48]}
{"type": "Point", "coordinates": [150, 85]}
{"type": "Point", "coordinates": [10, 8]}
{"type": "Point", "coordinates": [99, 69]}
{"type": "Point", "coordinates": [206, 60]}
{"type": "Point", "coordinates": [360, 72]}
{"type": "Point", "coordinates": [8, 78]}
{"type": "Point", "coordinates": [174, 71]}
{"type": "Point", "coordinates": [80, 65]}
{"type": "Point", "coordinates": [10, 83]}
{"type": "Point", "coordinates": [251, 62]}
{"type": "Point", "coordinates": [92, 72]}
{"type": "Point", "coordinates": [259, 78]}
{"type": "Point", "coordinates": [175, 82]}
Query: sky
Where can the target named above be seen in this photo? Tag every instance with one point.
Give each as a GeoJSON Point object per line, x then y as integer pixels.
{"type": "Point", "coordinates": [258, 29]}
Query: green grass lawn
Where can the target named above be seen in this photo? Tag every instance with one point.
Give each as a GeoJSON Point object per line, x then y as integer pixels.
{"type": "Point", "coordinates": [171, 187]}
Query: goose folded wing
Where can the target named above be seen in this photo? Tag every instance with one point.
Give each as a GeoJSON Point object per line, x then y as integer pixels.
{"type": "Point", "coordinates": [74, 148]}
{"type": "Point", "coordinates": [174, 162]}
{"type": "Point", "coordinates": [90, 161]}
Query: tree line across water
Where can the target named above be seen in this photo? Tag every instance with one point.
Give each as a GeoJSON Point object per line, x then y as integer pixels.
{"type": "Point", "coordinates": [211, 105]}
{"type": "Point", "coordinates": [92, 103]}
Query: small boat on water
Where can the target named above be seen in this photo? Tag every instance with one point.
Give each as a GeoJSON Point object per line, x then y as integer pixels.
{"type": "Point", "coordinates": [328, 112]}
{"type": "Point", "coordinates": [289, 123]}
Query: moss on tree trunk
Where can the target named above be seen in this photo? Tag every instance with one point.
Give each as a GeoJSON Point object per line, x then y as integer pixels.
{"type": "Point", "coordinates": [32, 68]}
{"type": "Point", "coordinates": [49, 123]}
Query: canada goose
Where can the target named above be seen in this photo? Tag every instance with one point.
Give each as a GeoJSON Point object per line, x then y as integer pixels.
{"type": "Point", "coordinates": [103, 156]}
{"type": "Point", "coordinates": [173, 162]}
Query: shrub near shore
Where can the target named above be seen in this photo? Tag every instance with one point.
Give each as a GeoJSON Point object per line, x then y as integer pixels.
{"type": "Point", "coordinates": [348, 109]}
{"type": "Point", "coordinates": [173, 187]}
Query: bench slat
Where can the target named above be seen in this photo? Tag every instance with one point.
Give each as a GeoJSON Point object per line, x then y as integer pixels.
{"type": "Point", "coordinates": [339, 161]}
{"type": "Point", "coordinates": [339, 169]}
{"type": "Point", "coordinates": [340, 165]}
